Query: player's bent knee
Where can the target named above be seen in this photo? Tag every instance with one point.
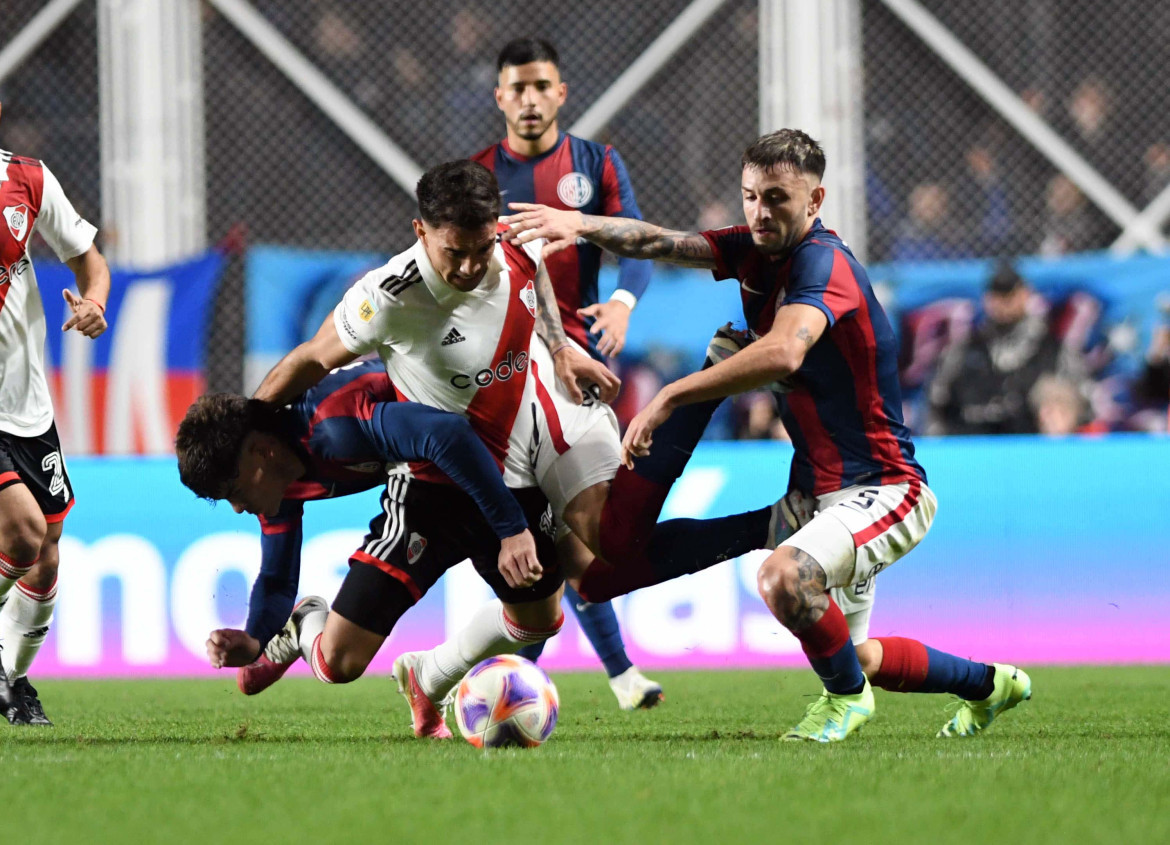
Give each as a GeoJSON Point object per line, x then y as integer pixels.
{"type": "Point", "coordinates": [335, 663]}
{"type": "Point", "coordinates": [23, 537]}
{"type": "Point", "coordinates": [777, 576]}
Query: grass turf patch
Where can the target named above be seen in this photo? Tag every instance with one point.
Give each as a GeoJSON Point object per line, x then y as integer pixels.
{"type": "Point", "coordinates": [185, 761]}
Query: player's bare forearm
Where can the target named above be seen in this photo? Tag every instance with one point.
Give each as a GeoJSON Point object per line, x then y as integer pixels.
{"type": "Point", "coordinates": [305, 366]}
{"type": "Point", "coordinates": [293, 375]}
{"type": "Point", "coordinates": [549, 327]}
{"type": "Point", "coordinates": [760, 364]}
{"type": "Point", "coordinates": [638, 239]}
{"type": "Point", "coordinates": [92, 275]}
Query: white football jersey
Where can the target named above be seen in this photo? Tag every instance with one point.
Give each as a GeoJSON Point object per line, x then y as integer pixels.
{"type": "Point", "coordinates": [461, 352]}
{"type": "Point", "coordinates": [30, 199]}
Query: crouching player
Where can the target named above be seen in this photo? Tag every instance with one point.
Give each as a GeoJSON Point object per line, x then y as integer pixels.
{"type": "Point", "coordinates": [337, 439]}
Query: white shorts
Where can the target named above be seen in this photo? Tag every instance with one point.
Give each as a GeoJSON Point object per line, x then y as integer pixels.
{"type": "Point", "coordinates": [573, 446]}
{"type": "Point", "coordinates": [859, 531]}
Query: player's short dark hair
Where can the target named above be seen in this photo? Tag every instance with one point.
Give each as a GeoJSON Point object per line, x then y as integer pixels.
{"type": "Point", "coordinates": [211, 437]}
{"type": "Point", "coordinates": [523, 51]}
{"type": "Point", "coordinates": [786, 148]}
{"type": "Point", "coordinates": [461, 193]}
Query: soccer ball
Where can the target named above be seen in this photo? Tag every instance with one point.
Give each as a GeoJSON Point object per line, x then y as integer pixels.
{"type": "Point", "coordinates": [506, 700]}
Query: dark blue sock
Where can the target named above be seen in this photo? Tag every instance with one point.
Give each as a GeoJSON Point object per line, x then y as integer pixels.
{"type": "Point", "coordinates": [683, 546]}
{"type": "Point", "coordinates": [840, 672]}
{"type": "Point", "coordinates": [674, 441]}
{"type": "Point", "coordinates": [957, 675]}
{"type": "Point", "coordinates": [600, 625]}
{"type": "Point", "coordinates": [830, 652]}
{"type": "Point", "coordinates": [533, 651]}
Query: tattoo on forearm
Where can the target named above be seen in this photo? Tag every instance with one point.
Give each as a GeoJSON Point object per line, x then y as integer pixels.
{"type": "Point", "coordinates": [812, 598]}
{"type": "Point", "coordinates": [805, 335]}
{"type": "Point", "coordinates": [637, 239]}
{"type": "Point", "coordinates": [548, 314]}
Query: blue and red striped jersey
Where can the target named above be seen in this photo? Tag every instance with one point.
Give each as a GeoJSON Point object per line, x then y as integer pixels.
{"type": "Point", "coordinates": [346, 430]}
{"type": "Point", "coordinates": [582, 175]}
{"type": "Point", "coordinates": [844, 412]}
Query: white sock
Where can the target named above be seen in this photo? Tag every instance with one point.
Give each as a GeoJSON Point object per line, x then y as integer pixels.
{"type": "Point", "coordinates": [312, 625]}
{"type": "Point", "coordinates": [24, 624]}
{"type": "Point", "coordinates": [490, 632]}
{"type": "Point", "coordinates": [11, 571]}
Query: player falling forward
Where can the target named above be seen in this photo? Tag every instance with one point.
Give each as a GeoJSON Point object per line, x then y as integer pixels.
{"type": "Point", "coordinates": [537, 162]}
{"type": "Point", "coordinates": [821, 337]}
{"type": "Point", "coordinates": [35, 491]}
{"type": "Point", "coordinates": [336, 440]}
{"type": "Point", "coordinates": [453, 320]}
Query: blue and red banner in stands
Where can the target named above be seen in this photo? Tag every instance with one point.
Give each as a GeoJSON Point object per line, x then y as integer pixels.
{"type": "Point", "coordinates": [125, 392]}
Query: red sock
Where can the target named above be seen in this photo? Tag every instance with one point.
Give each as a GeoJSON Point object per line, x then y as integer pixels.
{"type": "Point", "coordinates": [826, 636]}
{"type": "Point", "coordinates": [604, 582]}
{"type": "Point", "coordinates": [320, 667]}
{"type": "Point", "coordinates": [629, 515]}
{"type": "Point", "coordinates": [904, 664]}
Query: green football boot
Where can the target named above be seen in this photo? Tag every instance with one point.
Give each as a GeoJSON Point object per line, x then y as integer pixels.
{"type": "Point", "coordinates": [833, 717]}
{"type": "Point", "coordinates": [1012, 686]}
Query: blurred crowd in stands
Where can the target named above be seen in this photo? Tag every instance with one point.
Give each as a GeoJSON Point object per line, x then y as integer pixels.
{"type": "Point", "coordinates": [1015, 363]}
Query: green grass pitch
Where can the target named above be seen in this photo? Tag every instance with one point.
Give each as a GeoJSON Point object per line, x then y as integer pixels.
{"type": "Point", "coordinates": [194, 761]}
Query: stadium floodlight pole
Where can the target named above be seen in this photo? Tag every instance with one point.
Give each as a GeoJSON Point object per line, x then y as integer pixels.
{"type": "Point", "coordinates": [643, 69]}
{"type": "Point", "coordinates": [1011, 108]}
{"type": "Point", "coordinates": [41, 26]}
{"type": "Point", "coordinates": [324, 94]}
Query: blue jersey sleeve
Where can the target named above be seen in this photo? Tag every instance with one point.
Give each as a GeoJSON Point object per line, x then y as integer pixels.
{"type": "Point", "coordinates": [618, 201]}
{"type": "Point", "coordinates": [731, 247]}
{"type": "Point", "coordinates": [275, 589]}
{"type": "Point", "coordinates": [822, 277]}
{"type": "Point", "coordinates": [408, 431]}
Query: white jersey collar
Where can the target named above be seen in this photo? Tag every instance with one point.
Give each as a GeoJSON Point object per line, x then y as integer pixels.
{"type": "Point", "coordinates": [443, 293]}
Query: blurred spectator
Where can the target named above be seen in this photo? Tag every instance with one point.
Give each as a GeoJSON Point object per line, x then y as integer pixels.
{"type": "Point", "coordinates": [1157, 170]}
{"type": "Point", "coordinates": [1152, 390]}
{"type": "Point", "coordinates": [982, 200]}
{"type": "Point", "coordinates": [985, 380]}
{"type": "Point", "coordinates": [1057, 405]}
{"type": "Point", "coordinates": [715, 215]}
{"type": "Point", "coordinates": [471, 115]}
{"type": "Point", "coordinates": [756, 417]}
{"type": "Point", "coordinates": [925, 234]}
{"type": "Point", "coordinates": [1069, 224]}
{"type": "Point", "coordinates": [1091, 107]}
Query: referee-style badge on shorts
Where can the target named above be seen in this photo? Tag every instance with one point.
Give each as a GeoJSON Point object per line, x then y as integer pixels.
{"type": "Point", "coordinates": [416, 547]}
{"type": "Point", "coordinates": [574, 189]}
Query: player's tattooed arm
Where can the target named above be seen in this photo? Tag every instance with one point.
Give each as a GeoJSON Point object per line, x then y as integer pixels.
{"type": "Point", "coordinates": [549, 327]}
{"type": "Point", "coordinates": [574, 369]}
{"type": "Point", "coordinates": [811, 598]}
{"type": "Point", "coordinates": [638, 239]}
{"type": "Point", "coordinates": [805, 337]}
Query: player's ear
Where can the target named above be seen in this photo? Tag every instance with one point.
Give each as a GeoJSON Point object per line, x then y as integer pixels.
{"type": "Point", "coordinates": [419, 230]}
{"type": "Point", "coordinates": [564, 92]}
{"type": "Point", "coordinates": [816, 200]}
{"type": "Point", "coordinates": [499, 98]}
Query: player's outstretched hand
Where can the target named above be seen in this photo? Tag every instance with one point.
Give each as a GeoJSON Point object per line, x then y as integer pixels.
{"type": "Point", "coordinates": [613, 318]}
{"type": "Point", "coordinates": [518, 563]}
{"type": "Point", "coordinates": [559, 228]}
{"type": "Point", "coordinates": [88, 317]}
{"type": "Point", "coordinates": [231, 647]}
{"type": "Point", "coordinates": [575, 369]}
{"type": "Point", "coordinates": [640, 433]}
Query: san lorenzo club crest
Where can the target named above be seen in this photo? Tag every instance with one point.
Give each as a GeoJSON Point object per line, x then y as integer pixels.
{"type": "Point", "coordinates": [574, 189]}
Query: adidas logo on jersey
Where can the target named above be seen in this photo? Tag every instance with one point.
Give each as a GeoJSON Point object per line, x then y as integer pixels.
{"type": "Point", "coordinates": [453, 336]}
